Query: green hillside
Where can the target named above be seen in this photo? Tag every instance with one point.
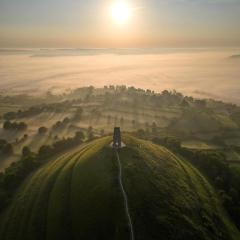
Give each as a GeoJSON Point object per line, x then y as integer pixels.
{"type": "Point", "coordinates": [77, 196]}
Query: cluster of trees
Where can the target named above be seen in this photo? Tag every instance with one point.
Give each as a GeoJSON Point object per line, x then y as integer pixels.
{"type": "Point", "coordinates": [150, 131]}
{"type": "Point", "coordinates": [165, 98]}
{"type": "Point", "coordinates": [61, 124]}
{"type": "Point", "coordinates": [57, 107]}
{"type": "Point", "coordinates": [32, 111]}
{"type": "Point", "coordinates": [21, 126]}
{"type": "Point", "coordinates": [5, 148]}
{"type": "Point", "coordinates": [18, 171]}
{"type": "Point", "coordinates": [112, 94]}
{"type": "Point", "coordinates": [36, 110]}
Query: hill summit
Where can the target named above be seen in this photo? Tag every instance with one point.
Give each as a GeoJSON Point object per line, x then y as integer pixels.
{"type": "Point", "coordinates": [77, 196]}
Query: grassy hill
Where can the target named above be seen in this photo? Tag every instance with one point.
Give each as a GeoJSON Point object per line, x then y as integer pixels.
{"type": "Point", "coordinates": [77, 196]}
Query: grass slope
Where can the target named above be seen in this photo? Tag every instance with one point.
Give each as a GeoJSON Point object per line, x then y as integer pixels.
{"type": "Point", "coordinates": [77, 197]}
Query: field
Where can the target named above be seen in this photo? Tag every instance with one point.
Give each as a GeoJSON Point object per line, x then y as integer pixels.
{"type": "Point", "coordinates": [77, 195]}
{"type": "Point", "coordinates": [197, 123]}
{"type": "Point", "coordinates": [198, 145]}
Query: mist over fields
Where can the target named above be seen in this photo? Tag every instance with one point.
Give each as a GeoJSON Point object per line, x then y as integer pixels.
{"type": "Point", "coordinates": [202, 73]}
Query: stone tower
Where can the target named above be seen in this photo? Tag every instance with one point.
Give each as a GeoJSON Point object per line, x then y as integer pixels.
{"type": "Point", "coordinates": [117, 142]}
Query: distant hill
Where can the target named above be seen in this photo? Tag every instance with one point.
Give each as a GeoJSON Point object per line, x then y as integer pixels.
{"type": "Point", "coordinates": [77, 196]}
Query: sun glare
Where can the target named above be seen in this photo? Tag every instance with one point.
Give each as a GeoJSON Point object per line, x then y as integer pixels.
{"type": "Point", "coordinates": [121, 12]}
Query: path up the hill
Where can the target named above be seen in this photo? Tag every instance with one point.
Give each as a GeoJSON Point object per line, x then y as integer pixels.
{"type": "Point", "coordinates": [125, 198]}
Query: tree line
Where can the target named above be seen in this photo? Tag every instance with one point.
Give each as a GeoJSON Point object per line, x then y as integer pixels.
{"type": "Point", "coordinates": [14, 175]}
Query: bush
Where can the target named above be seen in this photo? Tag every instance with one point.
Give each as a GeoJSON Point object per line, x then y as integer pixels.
{"type": "Point", "coordinates": [42, 130]}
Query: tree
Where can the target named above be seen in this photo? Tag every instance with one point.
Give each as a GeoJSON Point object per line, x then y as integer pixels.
{"type": "Point", "coordinates": [45, 151]}
{"type": "Point", "coordinates": [2, 143]}
{"type": "Point", "coordinates": [7, 125]}
{"type": "Point", "coordinates": [57, 125]}
{"type": "Point", "coordinates": [26, 152]}
{"type": "Point", "coordinates": [102, 132]}
{"type": "Point", "coordinates": [200, 103]}
{"type": "Point", "coordinates": [79, 136]}
{"type": "Point", "coordinates": [42, 130]}
{"type": "Point", "coordinates": [10, 115]}
{"type": "Point", "coordinates": [154, 128]}
{"type": "Point", "coordinates": [7, 149]}
{"type": "Point", "coordinates": [185, 103]}
{"type": "Point", "coordinates": [90, 133]}
{"type": "Point", "coordinates": [173, 143]}
{"type": "Point", "coordinates": [78, 114]}
{"type": "Point", "coordinates": [66, 121]}
{"type": "Point", "coordinates": [25, 136]}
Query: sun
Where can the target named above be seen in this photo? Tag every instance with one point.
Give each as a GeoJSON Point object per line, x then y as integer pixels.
{"type": "Point", "coordinates": [121, 12]}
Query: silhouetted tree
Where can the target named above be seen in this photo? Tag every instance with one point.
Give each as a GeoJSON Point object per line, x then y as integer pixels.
{"type": "Point", "coordinates": [79, 136]}
{"type": "Point", "coordinates": [26, 152]}
{"type": "Point", "coordinates": [42, 130]}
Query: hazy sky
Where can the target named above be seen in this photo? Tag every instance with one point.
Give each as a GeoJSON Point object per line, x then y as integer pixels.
{"type": "Point", "coordinates": [88, 23]}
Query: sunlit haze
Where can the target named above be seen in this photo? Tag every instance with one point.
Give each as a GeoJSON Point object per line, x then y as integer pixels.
{"type": "Point", "coordinates": [121, 12]}
{"type": "Point", "coordinates": [119, 23]}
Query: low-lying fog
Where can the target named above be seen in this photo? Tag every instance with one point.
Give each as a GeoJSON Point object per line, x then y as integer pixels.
{"type": "Point", "coordinates": [199, 72]}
